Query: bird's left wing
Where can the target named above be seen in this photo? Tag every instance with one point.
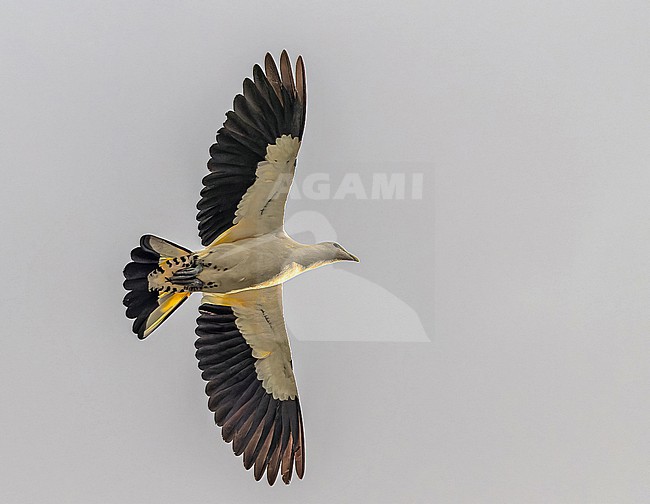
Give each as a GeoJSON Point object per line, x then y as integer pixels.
{"type": "Point", "coordinates": [243, 351]}
{"type": "Point", "coordinates": [252, 162]}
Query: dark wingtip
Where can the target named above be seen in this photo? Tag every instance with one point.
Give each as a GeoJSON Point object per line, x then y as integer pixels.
{"type": "Point", "coordinates": [273, 76]}
{"type": "Point", "coordinates": [268, 59]}
{"type": "Point", "coordinates": [258, 73]}
{"type": "Point", "coordinates": [286, 74]}
{"type": "Point", "coordinates": [257, 475]}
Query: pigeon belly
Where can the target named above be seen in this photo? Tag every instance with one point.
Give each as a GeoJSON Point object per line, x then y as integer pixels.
{"type": "Point", "coordinates": [247, 264]}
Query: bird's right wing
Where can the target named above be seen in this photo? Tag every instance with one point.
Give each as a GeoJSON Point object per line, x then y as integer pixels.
{"type": "Point", "coordinates": [243, 351]}
{"type": "Point", "coordinates": [250, 168]}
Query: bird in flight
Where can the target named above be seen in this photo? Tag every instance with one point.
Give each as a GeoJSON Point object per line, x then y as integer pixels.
{"type": "Point", "coordinates": [242, 346]}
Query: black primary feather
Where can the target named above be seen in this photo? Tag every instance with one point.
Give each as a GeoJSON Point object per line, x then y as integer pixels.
{"type": "Point", "coordinates": [272, 105]}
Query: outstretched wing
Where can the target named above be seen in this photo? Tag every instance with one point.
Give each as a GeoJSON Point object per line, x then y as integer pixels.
{"type": "Point", "coordinates": [244, 353]}
{"type": "Point", "coordinates": [271, 107]}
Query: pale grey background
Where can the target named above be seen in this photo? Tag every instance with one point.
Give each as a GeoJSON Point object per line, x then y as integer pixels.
{"type": "Point", "coordinates": [526, 259]}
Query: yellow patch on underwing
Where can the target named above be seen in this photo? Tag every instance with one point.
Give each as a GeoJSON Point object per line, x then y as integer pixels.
{"type": "Point", "coordinates": [166, 303]}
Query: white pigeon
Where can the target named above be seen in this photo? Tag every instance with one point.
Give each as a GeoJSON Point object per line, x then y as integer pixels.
{"type": "Point", "coordinates": [242, 345]}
